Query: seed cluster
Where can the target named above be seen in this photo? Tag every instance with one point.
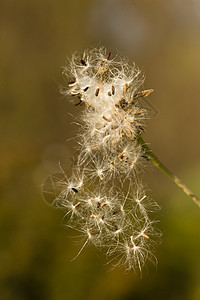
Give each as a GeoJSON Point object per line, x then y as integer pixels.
{"type": "Point", "coordinates": [104, 199]}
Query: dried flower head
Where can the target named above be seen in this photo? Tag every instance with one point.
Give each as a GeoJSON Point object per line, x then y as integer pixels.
{"type": "Point", "coordinates": [104, 198]}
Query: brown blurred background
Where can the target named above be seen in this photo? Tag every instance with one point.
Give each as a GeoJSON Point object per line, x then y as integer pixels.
{"type": "Point", "coordinates": [36, 37]}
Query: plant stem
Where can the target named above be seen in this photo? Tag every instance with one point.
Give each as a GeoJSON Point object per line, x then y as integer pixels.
{"type": "Point", "coordinates": [163, 168]}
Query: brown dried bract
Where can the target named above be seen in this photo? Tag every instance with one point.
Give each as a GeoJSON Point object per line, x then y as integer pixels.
{"type": "Point", "coordinates": [125, 88]}
{"type": "Point", "coordinates": [117, 212]}
{"type": "Point", "coordinates": [72, 82]}
{"type": "Point", "coordinates": [106, 119]}
{"type": "Point", "coordinates": [86, 88]}
{"type": "Point", "coordinates": [108, 55]}
{"type": "Point", "coordinates": [113, 90]}
{"type": "Point", "coordinates": [145, 235]}
{"type": "Point", "coordinates": [78, 103]}
{"type": "Point", "coordinates": [114, 226]}
{"type": "Point", "coordinates": [97, 92]}
{"type": "Point", "coordinates": [83, 62]}
{"type": "Point", "coordinates": [95, 232]}
{"type": "Point", "coordinates": [144, 93]}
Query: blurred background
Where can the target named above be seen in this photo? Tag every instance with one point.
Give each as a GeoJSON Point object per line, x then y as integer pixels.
{"type": "Point", "coordinates": [36, 38]}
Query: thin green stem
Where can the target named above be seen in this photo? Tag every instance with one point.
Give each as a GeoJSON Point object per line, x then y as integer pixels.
{"type": "Point", "coordinates": [163, 168]}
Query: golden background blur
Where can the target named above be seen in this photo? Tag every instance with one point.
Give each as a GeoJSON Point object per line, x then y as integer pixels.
{"type": "Point", "coordinates": [36, 38]}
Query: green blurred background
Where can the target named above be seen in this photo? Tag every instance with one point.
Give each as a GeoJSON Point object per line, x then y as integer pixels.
{"type": "Point", "coordinates": [36, 37]}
